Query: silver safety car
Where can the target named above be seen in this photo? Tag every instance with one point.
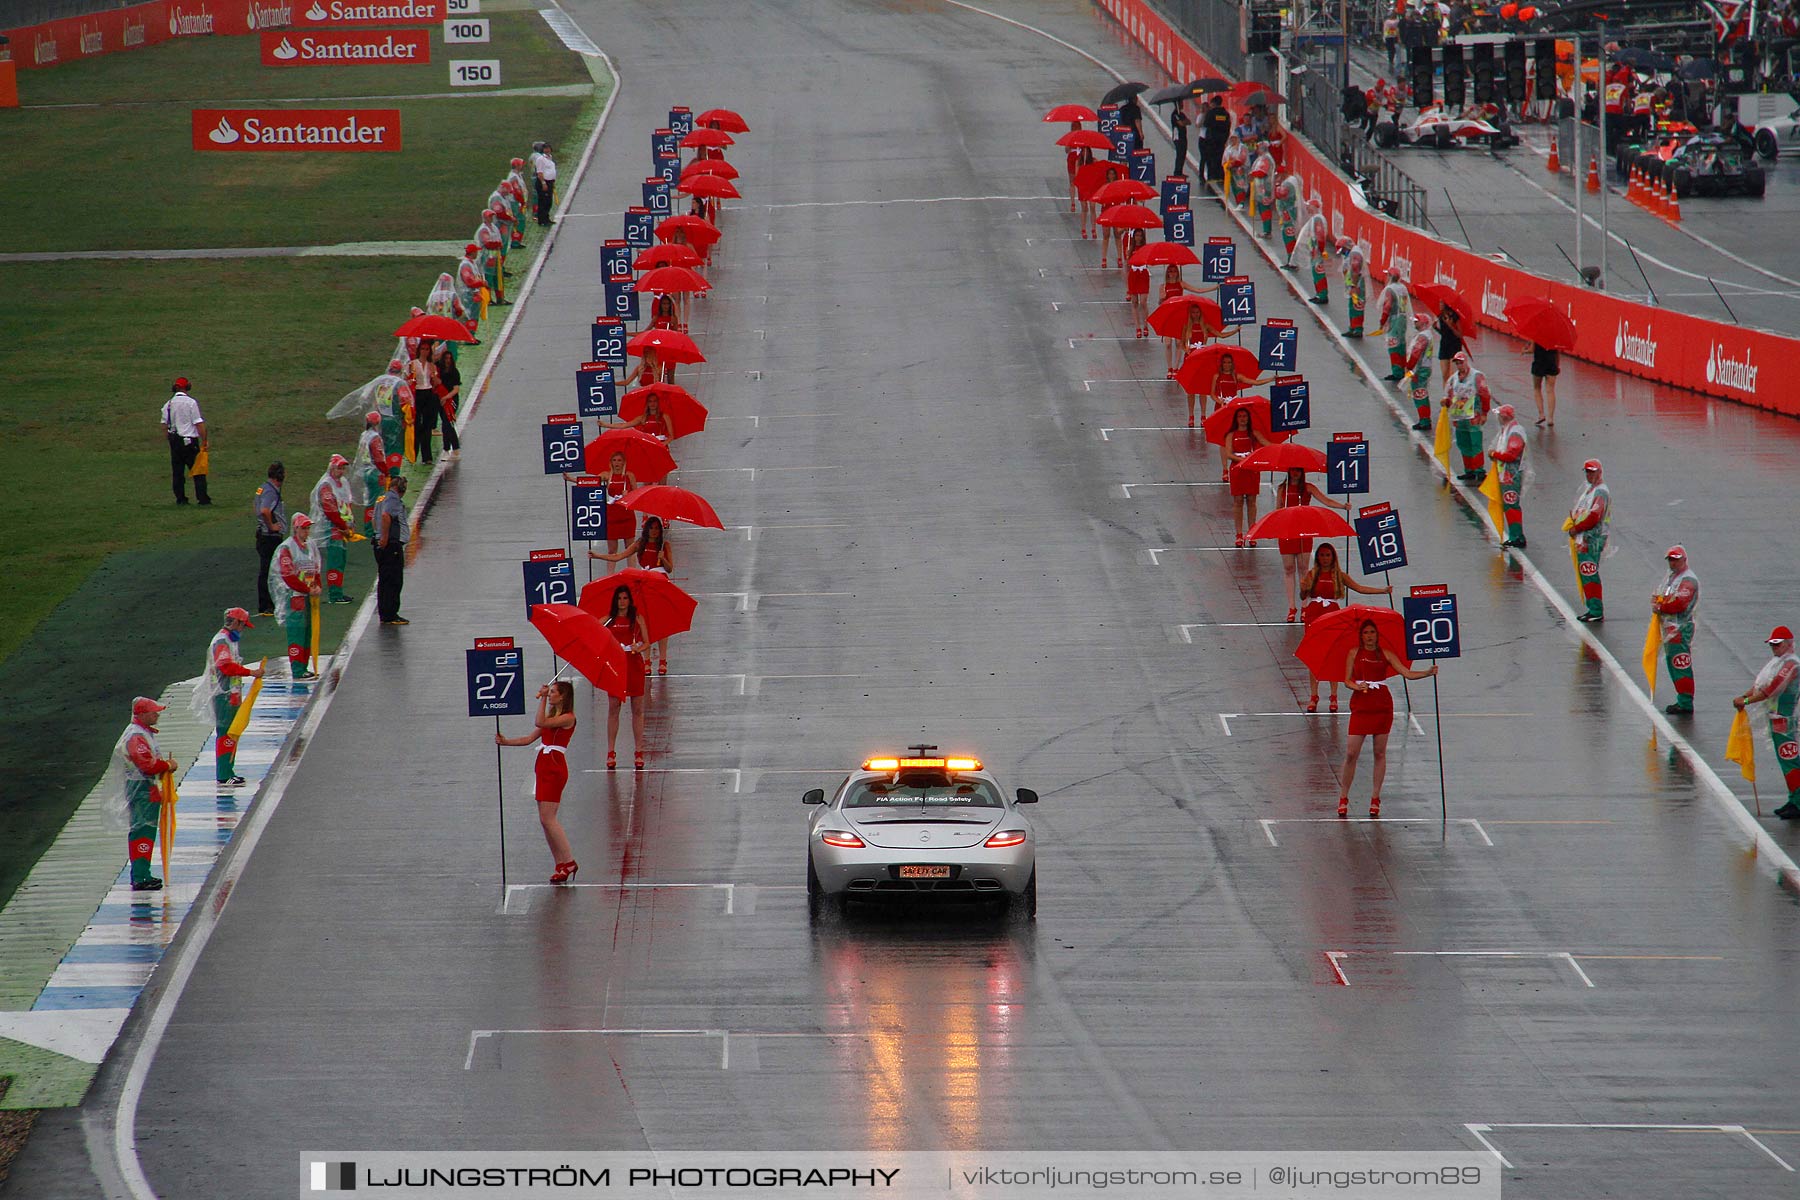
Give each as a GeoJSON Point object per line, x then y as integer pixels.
{"type": "Point", "coordinates": [920, 824]}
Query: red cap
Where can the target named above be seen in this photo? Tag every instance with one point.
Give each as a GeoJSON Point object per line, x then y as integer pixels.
{"type": "Point", "coordinates": [1592, 464]}
{"type": "Point", "coordinates": [1676, 552]}
{"type": "Point", "coordinates": [373, 418]}
{"type": "Point", "coordinates": [181, 383]}
{"type": "Point", "coordinates": [301, 521]}
{"type": "Point", "coordinates": [144, 706]}
{"type": "Point", "coordinates": [337, 460]}
{"type": "Point", "coordinates": [470, 248]}
{"type": "Point", "coordinates": [1781, 633]}
{"type": "Point", "coordinates": [239, 615]}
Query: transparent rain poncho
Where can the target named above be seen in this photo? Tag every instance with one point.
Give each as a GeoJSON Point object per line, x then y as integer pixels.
{"type": "Point", "coordinates": [377, 395]}
{"type": "Point", "coordinates": [442, 301]}
{"type": "Point", "coordinates": [321, 525]}
{"type": "Point", "coordinates": [115, 804]}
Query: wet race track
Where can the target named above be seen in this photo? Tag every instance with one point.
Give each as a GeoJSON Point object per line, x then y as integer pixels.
{"type": "Point", "coordinates": [965, 510]}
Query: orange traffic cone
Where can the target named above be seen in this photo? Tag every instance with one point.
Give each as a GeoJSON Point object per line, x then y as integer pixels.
{"type": "Point", "coordinates": [1554, 166]}
{"type": "Point", "coordinates": [1593, 179]}
{"type": "Point", "coordinates": [1631, 186]}
{"type": "Point", "coordinates": [1674, 213]}
{"type": "Point", "coordinates": [1659, 203]}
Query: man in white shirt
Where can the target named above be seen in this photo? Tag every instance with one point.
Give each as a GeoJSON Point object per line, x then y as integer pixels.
{"type": "Point", "coordinates": [185, 428]}
{"type": "Point", "coordinates": [543, 170]}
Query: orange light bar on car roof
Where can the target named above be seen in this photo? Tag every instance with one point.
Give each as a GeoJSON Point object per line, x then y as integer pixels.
{"type": "Point", "coordinates": [897, 764]}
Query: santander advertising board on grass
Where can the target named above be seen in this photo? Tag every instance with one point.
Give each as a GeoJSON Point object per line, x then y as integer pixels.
{"type": "Point", "coordinates": [297, 130]}
{"type": "Point", "coordinates": [322, 14]}
{"type": "Point", "coordinates": [337, 47]}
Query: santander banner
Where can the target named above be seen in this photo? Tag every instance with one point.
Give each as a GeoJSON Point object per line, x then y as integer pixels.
{"type": "Point", "coordinates": [297, 130]}
{"type": "Point", "coordinates": [1709, 357]}
{"type": "Point", "coordinates": [336, 47]}
{"type": "Point", "coordinates": [323, 14]}
{"type": "Point", "coordinates": [138, 25]}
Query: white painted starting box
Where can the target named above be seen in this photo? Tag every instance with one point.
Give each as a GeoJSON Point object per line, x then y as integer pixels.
{"type": "Point", "coordinates": [465, 30]}
{"type": "Point", "coordinates": [475, 72]}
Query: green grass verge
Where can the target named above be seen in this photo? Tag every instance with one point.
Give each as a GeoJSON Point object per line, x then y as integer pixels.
{"type": "Point", "coordinates": [113, 590]}
{"type": "Point", "coordinates": [135, 127]}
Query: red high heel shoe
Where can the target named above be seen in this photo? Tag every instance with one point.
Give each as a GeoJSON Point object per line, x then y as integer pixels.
{"type": "Point", "coordinates": [1291, 613]}
{"type": "Point", "coordinates": [662, 666]}
{"type": "Point", "coordinates": [1344, 806]}
{"type": "Point", "coordinates": [637, 761]}
{"type": "Point", "coordinates": [612, 760]}
{"type": "Point", "coordinates": [1374, 807]}
{"type": "Point", "coordinates": [1334, 704]}
{"type": "Point", "coordinates": [1312, 705]}
{"type": "Point", "coordinates": [564, 871]}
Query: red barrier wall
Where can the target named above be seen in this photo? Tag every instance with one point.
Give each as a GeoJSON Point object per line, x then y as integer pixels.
{"type": "Point", "coordinates": [1710, 357]}
{"type": "Point", "coordinates": [72, 38]}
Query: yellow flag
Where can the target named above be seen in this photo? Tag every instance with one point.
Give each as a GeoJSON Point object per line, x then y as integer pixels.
{"type": "Point", "coordinates": [1652, 649]}
{"type": "Point", "coordinates": [315, 632]}
{"type": "Point", "coordinates": [1440, 438]}
{"type": "Point", "coordinates": [1490, 487]}
{"type": "Point", "coordinates": [241, 718]}
{"type": "Point", "coordinates": [202, 463]}
{"type": "Point", "coordinates": [165, 817]}
{"type": "Point", "coordinates": [412, 453]}
{"type": "Point", "coordinates": [1740, 747]}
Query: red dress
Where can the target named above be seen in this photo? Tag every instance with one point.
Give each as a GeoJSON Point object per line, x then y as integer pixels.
{"type": "Point", "coordinates": [1137, 281]}
{"type": "Point", "coordinates": [657, 427]}
{"type": "Point", "coordinates": [552, 767]}
{"type": "Point", "coordinates": [650, 559]}
{"type": "Point", "coordinates": [625, 629]}
{"type": "Point", "coordinates": [1243, 482]}
{"type": "Point", "coordinates": [1324, 598]}
{"type": "Point", "coordinates": [1296, 500]}
{"type": "Point", "coordinates": [1371, 711]}
{"type": "Point", "coordinates": [621, 522]}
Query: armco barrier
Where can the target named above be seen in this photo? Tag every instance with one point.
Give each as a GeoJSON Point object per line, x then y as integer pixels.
{"type": "Point", "coordinates": [71, 38]}
{"type": "Point", "coordinates": [1709, 357]}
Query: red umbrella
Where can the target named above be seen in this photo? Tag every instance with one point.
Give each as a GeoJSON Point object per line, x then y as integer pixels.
{"type": "Point", "coordinates": [1197, 371]}
{"type": "Point", "coordinates": [684, 414]}
{"type": "Point", "coordinates": [577, 635]}
{"type": "Point", "coordinates": [1071, 112]}
{"type": "Point", "coordinates": [1091, 177]}
{"type": "Point", "coordinates": [1537, 320]}
{"type": "Point", "coordinates": [669, 254]}
{"type": "Point", "coordinates": [1092, 139]}
{"type": "Point", "coordinates": [705, 138]}
{"type": "Point", "coordinates": [645, 456]}
{"type": "Point", "coordinates": [1328, 642]}
{"type": "Point", "coordinates": [670, 345]}
{"type": "Point", "coordinates": [713, 187]}
{"type": "Point", "coordinates": [1123, 191]}
{"type": "Point", "coordinates": [697, 230]}
{"type": "Point", "coordinates": [1171, 316]}
{"type": "Point", "coordinates": [722, 118]}
{"type": "Point", "coordinates": [709, 166]}
{"type": "Point", "coordinates": [1298, 521]}
{"type": "Point", "coordinates": [1286, 456]}
{"type": "Point", "coordinates": [666, 609]}
{"type": "Point", "coordinates": [1435, 296]}
{"type": "Point", "coordinates": [443, 329]}
{"type": "Point", "coordinates": [1128, 216]}
{"type": "Point", "coordinates": [672, 504]}
{"type": "Point", "coordinates": [1172, 254]}
{"type": "Point", "coordinates": [1255, 92]}
{"type": "Point", "coordinates": [1219, 423]}
{"type": "Point", "coordinates": [671, 279]}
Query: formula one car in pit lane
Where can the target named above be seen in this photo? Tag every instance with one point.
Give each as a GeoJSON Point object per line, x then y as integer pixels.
{"type": "Point", "coordinates": [1653, 151]}
{"type": "Point", "coordinates": [920, 825]}
{"type": "Point", "coordinates": [1440, 130]}
{"type": "Point", "coordinates": [1713, 165]}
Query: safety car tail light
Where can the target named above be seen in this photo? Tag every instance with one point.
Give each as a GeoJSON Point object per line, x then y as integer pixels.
{"type": "Point", "coordinates": [842, 838]}
{"type": "Point", "coordinates": [1007, 837]}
